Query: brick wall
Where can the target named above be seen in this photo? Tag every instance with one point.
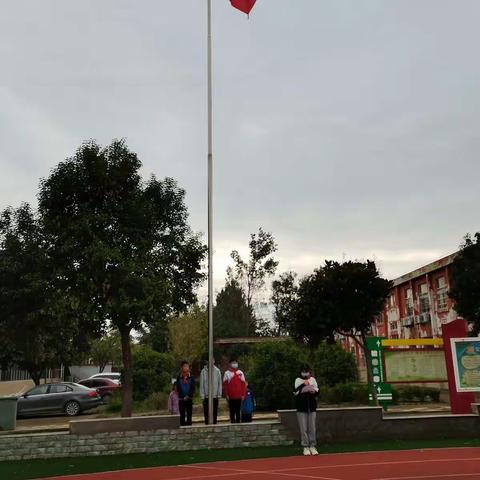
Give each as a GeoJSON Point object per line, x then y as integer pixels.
{"type": "Point", "coordinates": [64, 444]}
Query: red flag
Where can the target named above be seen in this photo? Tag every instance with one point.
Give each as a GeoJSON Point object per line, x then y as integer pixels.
{"type": "Point", "coordinates": [243, 5]}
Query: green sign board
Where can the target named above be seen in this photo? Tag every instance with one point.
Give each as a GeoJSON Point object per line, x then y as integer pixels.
{"type": "Point", "coordinates": [415, 365]}
{"type": "Point", "coordinates": [383, 390]}
{"type": "Point", "coordinates": [466, 363]}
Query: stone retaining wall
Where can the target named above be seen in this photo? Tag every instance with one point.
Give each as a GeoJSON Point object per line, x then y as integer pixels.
{"type": "Point", "coordinates": [64, 444]}
{"type": "Point", "coordinates": [368, 424]}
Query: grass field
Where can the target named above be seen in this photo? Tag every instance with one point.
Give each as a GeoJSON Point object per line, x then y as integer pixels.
{"type": "Point", "coordinates": [30, 469]}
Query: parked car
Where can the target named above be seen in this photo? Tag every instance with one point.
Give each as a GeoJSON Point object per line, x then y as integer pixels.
{"type": "Point", "coordinates": [114, 376]}
{"type": "Point", "coordinates": [65, 397]}
{"type": "Point", "coordinates": [104, 386]}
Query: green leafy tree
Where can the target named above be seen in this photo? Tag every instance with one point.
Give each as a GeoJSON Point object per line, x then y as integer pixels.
{"type": "Point", "coordinates": [333, 365]}
{"type": "Point", "coordinates": [38, 327]}
{"type": "Point", "coordinates": [152, 371]}
{"type": "Point", "coordinates": [273, 369]}
{"type": "Point", "coordinates": [188, 334]}
{"type": "Point", "coordinates": [156, 335]}
{"type": "Point", "coordinates": [232, 316]}
{"type": "Point", "coordinates": [127, 251]}
{"type": "Point", "coordinates": [465, 280]}
{"type": "Point", "coordinates": [342, 298]}
{"type": "Point", "coordinates": [284, 299]}
{"type": "Point", "coordinates": [106, 350]}
{"type": "Point", "coordinates": [251, 274]}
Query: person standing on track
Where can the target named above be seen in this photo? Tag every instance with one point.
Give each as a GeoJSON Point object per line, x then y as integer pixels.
{"type": "Point", "coordinates": [217, 390]}
{"type": "Point", "coordinates": [186, 389]}
{"type": "Point", "coordinates": [234, 388]}
{"type": "Point", "coordinates": [306, 392]}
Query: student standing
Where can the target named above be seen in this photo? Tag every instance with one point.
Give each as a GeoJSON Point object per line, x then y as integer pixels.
{"type": "Point", "coordinates": [186, 389]}
{"type": "Point", "coordinates": [248, 405]}
{"type": "Point", "coordinates": [234, 388]}
{"type": "Point", "coordinates": [217, 390]}
{"type": "Point", "coordinates": [173, 400]}
{"type": "Point", "coordinates": [306, 392]}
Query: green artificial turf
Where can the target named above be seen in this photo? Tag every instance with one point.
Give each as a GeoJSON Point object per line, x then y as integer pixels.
{"type": "Point", "coordinates": [29, 469]}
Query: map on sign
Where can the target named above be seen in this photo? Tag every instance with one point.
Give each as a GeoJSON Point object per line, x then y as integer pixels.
{"type": "Point", "coordinates": [466, 363]}
{"type": "Point", "coordinates": [415, 366]}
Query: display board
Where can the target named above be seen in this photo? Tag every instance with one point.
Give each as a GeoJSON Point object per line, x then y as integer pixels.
{"type": "Point", "coordinates": [466, 363]}
{"type": "Point", "coordinates": [415, 365]}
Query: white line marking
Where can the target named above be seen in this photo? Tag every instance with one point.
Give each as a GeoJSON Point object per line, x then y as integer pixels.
{"type": "Point", "coordinates": [451, 475]}
{"type": "Point", "coordinates": [260, 472]}
{"type": "Point", "coordinates": [372, 464]}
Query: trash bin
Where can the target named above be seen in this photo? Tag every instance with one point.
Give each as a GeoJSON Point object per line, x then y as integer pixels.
{"type": "Point", "coordinates": [8, 413]}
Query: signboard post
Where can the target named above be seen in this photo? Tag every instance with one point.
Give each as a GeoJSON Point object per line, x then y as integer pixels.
{"type": "Point", "coordinates": [384, 390]}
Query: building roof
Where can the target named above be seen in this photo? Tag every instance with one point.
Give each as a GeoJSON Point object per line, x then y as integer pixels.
{"type": "Point", "coordinates": [431, 267]}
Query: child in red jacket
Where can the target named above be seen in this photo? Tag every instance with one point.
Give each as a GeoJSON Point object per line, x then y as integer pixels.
{"type": "Point", "coordinates": [234, 388]}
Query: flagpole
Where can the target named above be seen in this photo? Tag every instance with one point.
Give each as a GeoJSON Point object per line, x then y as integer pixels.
{"type": "Point", "coordinates": [210, 218]}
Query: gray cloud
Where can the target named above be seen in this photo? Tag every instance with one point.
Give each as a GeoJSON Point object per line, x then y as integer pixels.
{"type": "Point", "coordinates": [349, 129]}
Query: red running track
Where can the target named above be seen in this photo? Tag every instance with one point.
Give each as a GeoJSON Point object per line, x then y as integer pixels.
{"type": "Point", "coordinates": [430, 464]}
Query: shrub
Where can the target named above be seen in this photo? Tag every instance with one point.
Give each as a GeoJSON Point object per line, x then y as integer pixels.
{"type": "Point", "coordinates": [274, 367]}
{"type": "Point", "coordinates": [152, 371]}
{"type": "Point", "coordinates": [115, 403]}
{"type": "Point", "coordinates": [333, 365]}
{"type": "Point", "coordinates": [344, 393]}
{"type": "Point", "coordinates": [414, 393]}
{"type": "Point", "coordinates": [154, 402]}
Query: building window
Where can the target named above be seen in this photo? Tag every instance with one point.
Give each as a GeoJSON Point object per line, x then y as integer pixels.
{"type": "Point", "coordinates": [423, 298]}
{"type": "Point", "coordinates": [408, 302]}
{"type": "Point", "coordinates": [442, 293]}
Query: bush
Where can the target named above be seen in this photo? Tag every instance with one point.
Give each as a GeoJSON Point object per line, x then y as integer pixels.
{"type": "Point", "coordinates": [154, 402]}
{"type": "Point", "coordinates": [115, 403]}
{"type": "Point", "coordinates": [333, 365]}
{"type": "Point", "coordinates": [152, 371]}
{"type": "Point", "coordinates": [344, 393]}
{"type": "Point", "coordinates": [274, 367]}
{"type": "Point", "coordinates": [414, 393]}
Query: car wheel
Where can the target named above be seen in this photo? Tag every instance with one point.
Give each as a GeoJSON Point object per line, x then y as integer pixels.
{"type": "Point", "coordinates": [72, 408]}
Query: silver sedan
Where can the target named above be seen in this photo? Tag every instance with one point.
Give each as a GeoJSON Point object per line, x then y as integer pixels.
{"type": "Point", "coordinates": [68, 398]}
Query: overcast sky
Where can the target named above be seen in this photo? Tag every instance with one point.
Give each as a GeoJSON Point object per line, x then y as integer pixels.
{"type": "Point", "coordinates": [348, 128]}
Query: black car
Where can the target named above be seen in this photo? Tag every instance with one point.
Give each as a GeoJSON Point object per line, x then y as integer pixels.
{"type": "Point", "coordinates": [66, 397]}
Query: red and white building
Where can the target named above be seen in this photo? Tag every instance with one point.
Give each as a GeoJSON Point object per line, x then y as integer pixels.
{"type": "Point", "coordinates": [417, 307]}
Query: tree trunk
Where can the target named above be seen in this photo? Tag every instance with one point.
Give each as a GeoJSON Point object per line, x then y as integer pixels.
{"type": "Point", "coordinates": [36, 375]}
{"type": "Point", "coordinates": [368, 361]}
{"type": "Point", "coordinates": [127, 383]}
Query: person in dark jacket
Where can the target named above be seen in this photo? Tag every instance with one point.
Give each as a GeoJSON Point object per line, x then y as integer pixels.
{"type": "Point", "coordinates": [306, 392]}
{"type": "Point", "coordinates": [185, 389]}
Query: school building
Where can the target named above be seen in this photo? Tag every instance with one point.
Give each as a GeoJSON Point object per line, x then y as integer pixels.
{"type": "Point", "coordinates": [417, 307]}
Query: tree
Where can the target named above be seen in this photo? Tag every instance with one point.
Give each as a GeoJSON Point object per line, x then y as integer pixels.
{"type": "Point", "coordinates": [152, 371]}
{"type": "Point", "coordinates": [38, 328]}
{"type": "Point", "coordinates": [188, 334]}
{"type": "Point", "coordinates": [342, 298]}
{"type": "Point", "coordinates": [232, 316]}
{"type": "Point", "coordinates": [156, 335]}
{"type": "Point", "coordinates": [465, 281]}
{"type": "Point", "coordinates": [127, 251]}
{"type": "Point", "coordinates": [106, 350]}
{"type": "Point", "coordinates": [251, 274]}
{"type": "Point", "coordinates": [284, 299]}
{"type": "Point", "coordinates": [333, 365]}
{"type": "Point", "coordinates": [274, 367]}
